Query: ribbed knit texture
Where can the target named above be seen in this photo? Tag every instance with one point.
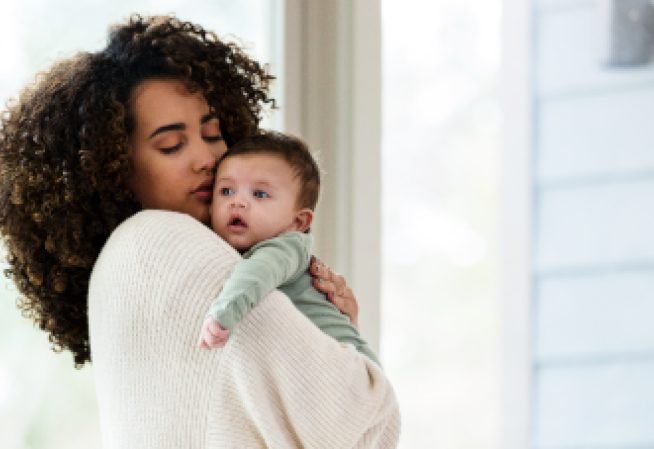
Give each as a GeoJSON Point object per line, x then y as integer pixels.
{"type": "Point", "coordinates": [279, 382]}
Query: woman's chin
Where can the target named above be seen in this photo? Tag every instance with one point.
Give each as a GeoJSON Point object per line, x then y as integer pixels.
{"type": "Point", "coordinates": [201, 214]}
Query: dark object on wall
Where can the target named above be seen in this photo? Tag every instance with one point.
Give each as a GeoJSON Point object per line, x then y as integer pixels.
{"type": "Point", "coordinates": [625, 32]}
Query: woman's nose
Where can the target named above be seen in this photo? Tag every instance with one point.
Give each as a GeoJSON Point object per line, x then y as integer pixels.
{"type": "Point", "coordinates": [203, 158]}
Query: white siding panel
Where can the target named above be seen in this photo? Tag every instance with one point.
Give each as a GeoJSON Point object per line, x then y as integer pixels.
{"type": "Point", "coordinates": [548, 4]}
{"type": "Point", "coordinates": [595, 226]}
{"type": "Point", "coordinates": [595, 406]}
{"type": "Point", "coordinates": [566, 60]}
{"type": "Point", "coordinates": [595, 315]}
{"type": "Point", "coordinates": [601, 135]}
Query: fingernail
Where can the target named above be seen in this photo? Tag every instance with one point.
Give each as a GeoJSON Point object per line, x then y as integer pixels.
{"type": "Point", "coordinates": [318, 268]}
{"type": "Point", "coordinates": [320, 280]}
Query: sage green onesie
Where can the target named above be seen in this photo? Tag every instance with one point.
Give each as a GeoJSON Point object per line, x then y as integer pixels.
{"type": "Point", "coordinates": [282, 262]}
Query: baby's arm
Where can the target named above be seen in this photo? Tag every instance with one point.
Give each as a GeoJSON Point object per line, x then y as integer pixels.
{"type": "Point", "coordinates": [270, 264]}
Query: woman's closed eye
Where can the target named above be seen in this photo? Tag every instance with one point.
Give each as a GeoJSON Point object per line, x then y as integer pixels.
{"type": "Point", "coordinates": [169, 150]}
{"type": "Point", "coordinates": [260, 194]}
{"type": "Point", "coordinates": [210, 139]}
{"type": "Point", "coordinates": [216, 138]}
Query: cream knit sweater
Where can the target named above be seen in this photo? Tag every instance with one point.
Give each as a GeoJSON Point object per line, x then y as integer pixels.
{"type": "Point", "coordinates": [279, 382]}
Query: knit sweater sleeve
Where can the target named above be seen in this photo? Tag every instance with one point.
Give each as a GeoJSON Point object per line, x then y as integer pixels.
{"type": "Point", "coordinates": [265, 267]}
{"type": "Point", "coordinates": [279, 382]}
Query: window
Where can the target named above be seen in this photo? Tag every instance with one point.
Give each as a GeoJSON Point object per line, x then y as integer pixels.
{"type": "Point", "coordinates": [440, 153]}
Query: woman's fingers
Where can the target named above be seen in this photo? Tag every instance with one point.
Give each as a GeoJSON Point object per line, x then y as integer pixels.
{"type": "Point", "coordinates": [339, 284]}
{"type": "Point", "coordinates": [347, 304]}
{"type": "Point", "coordinates": [318, 269]}
{"type": "Point", "coordinates": [324, 279]}
{"type": "Point", "coordinates": [325, 287]}
{"type": "Point", "coordinates": [334, 286]}
{"type": "Point", "coordinates": [322, 271]}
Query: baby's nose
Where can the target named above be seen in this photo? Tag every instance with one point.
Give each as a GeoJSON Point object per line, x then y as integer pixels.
{"type": "Point", "coordinates": [240, 201]}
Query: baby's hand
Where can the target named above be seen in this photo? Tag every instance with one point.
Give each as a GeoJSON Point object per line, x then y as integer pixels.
{"type": "Point", "coordinates": [212, 335]}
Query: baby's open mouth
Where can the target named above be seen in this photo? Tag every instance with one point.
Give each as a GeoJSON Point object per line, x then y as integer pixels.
{"type": "Point", "coordinates": [237, 222]}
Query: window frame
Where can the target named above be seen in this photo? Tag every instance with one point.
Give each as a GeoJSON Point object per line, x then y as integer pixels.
{"type": "Point", "coordinates": [332, 98]}
{"type": "Point", "coordinates": [516, 228]}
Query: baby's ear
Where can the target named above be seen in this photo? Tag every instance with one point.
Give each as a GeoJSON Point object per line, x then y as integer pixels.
{"type": "Point", "coordinates": [302, 220]}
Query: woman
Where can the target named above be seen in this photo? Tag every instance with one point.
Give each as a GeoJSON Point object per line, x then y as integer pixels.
{"type": "Point", "coordinates": [124, 143]}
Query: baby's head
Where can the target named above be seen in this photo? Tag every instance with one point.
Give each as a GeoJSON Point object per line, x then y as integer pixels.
{"type": "Point", "coordinates": [265, 185]}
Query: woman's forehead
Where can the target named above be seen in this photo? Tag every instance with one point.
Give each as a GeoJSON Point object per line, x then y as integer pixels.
{"type": "Point", "coordinates": [160, 102]}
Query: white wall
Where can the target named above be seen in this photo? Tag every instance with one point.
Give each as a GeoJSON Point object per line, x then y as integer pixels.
{"type": "Point", "coordinates": [592, 239]}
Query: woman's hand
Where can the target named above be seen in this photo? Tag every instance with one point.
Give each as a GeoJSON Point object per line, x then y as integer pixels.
{"type": "Point", "coordinates": [334, 287]}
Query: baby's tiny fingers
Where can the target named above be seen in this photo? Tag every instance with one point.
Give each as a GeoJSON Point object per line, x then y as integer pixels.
{"type": "Point", "coordinates": [213, 326]}
{"type": "Point", "coordinates": [203, 344]}
{"type": "Point", "coordinates": [211, 339]}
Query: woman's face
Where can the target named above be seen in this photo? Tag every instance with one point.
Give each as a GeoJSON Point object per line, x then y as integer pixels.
{"type": "Point", "coordinates": [174, 148]}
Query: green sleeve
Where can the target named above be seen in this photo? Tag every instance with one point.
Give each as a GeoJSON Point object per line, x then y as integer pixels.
{"type": "Point", "coordinates": [265, 267]}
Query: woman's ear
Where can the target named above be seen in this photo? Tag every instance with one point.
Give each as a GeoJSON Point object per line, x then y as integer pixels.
{"type": "Point", "coordinates": [302, 220]}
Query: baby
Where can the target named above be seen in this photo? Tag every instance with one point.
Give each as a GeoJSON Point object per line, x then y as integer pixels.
{"type": "Point", "coordinates": [265, 193]}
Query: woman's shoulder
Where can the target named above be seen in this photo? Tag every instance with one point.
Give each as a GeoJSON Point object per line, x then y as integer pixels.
{"type": "Point", "coordinates": [162, 226]}
{"type": "Point", "coordinates": [150, 220]}
{"type": "Point", "coordinates": [161, 235]}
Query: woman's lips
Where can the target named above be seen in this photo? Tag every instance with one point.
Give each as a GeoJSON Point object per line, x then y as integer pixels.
{"type": "Point", "coordinates": [205, 190]}
{"type": "Point", "coordinates": [204, 195]}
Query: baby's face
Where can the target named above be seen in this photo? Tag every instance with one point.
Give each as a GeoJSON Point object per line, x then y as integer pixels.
{"type": "Point", "coordinates": [254, 199]}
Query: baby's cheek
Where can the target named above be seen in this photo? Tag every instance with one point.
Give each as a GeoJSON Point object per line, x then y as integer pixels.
{"type": "Point", "coordinates": [215, 201]}
{"type": "Point", "coordinates": [213, 212]}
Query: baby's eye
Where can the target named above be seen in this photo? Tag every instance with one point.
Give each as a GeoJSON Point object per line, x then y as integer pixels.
{"type": "Point", "coordinates": [261, 194]}
{"type": "Point", "coordinates": [226, 191]}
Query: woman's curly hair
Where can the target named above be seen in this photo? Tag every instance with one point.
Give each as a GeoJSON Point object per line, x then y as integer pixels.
{"type": "Point", "coordinates": [64, 156]}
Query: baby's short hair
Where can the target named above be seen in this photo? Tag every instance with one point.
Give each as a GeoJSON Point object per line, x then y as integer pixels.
{"type": "Point", "coordinates": [291, 149]}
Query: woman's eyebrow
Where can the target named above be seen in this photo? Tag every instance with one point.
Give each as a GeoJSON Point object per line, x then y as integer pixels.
{"type": "Point", "coordinates": [173, 127]}
{"type": "Point", "coordinates": [207, 117]}
{"type": "Point", "coordinates": [180, 126]}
